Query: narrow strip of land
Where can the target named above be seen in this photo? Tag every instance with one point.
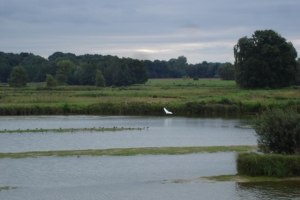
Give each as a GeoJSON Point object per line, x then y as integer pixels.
{"type": "Point", "coordinates": [61, 130]}
{"type": "Point", "coordinates": [131, 151]}
{"type": "Point", "coordinates": [233, 178]}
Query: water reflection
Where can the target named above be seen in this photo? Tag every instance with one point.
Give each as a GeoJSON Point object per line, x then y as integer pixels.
{"type": "Point", "coordinates": [269, 190]}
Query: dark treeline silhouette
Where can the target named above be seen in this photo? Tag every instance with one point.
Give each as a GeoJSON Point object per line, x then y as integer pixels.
{"type": "Point", "coordinates": [77, 70]}
{"type": "Point", "coordinates": [177, 68]}
{"type": "Point", "coordinates": [116, 71]}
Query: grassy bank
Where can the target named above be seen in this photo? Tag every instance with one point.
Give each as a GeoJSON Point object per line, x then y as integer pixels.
{"type": "Point", "coordinates": [130, 151]}
{"type": "Point", "coordinates": [269, 165]}
{"type": "Point", "coordinates": [184, 97]}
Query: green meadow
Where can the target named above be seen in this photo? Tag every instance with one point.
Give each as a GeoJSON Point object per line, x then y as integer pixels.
{"type": "Point", "coordinates": [182, 96]}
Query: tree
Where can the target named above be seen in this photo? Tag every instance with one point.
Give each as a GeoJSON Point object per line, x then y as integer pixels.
{"type": "Point", "coordinates": [278, 131]}
{"type": "Point", "coordinates": [63, 71]}
{"type": "Point", "coordinates": [177, 66]}
{"type": "Point", "coordinates": [137, 71]}
{"type": "Point", "coordinates": [265, 60]}
{"type": "Point", "coordinates": [18, 77]}
{"type": "Point", "coordinates": [5, 68]}
{"type": "Point", "coordinates": [35, 66]}
{"type": "Point", "coordinates": [100, 82]}
{"type": "Point", "coordinates": [297, 81]}
{"type": "Point", "coordinates": [226, 71]}
{"type": "Point", "coordinates": [50, 81]}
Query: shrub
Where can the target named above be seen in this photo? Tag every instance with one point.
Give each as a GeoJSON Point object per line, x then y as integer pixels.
{"type": "Point", "coordinates": [278, 131]}
{"type": "Point", "coordinates": [19, 77]}
{"type": "Point", "coordinates": [272, 165]}
{"type": "Point", "coordinates": [50, 81]}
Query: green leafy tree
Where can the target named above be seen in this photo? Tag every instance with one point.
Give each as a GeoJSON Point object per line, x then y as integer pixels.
{"type": "Point", "coordinates": [177, 66]}
{"type": "Point", "coordinates": [18, 77]}
{"type": "Point", "coordinates": [297, 81]}
{"type": "Point", "coordinates": [265, 60]}
{"type": "Point", "coordinates": [5, 68]}
{"type": "Point", "coordinates": [64, 69]}
{"type": "Point", "coordinates": [100, 81]}
{"type": "Point", "coordinates": [50, 81]}
{"type": "Point", "coordinates": [226, 71]}
{"type": "Point", "coordinates": [35, 66]}
{"type": "Point", "coordinates": [87, 76]}
{"type": "Point", "coordinates": [278, 131]}
{"type": "Point", "coordinates": [137, 71]}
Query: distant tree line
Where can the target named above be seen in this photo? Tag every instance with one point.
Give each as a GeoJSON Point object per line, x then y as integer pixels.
{"type": "Point", "coordinates": [67, 68]}
{"type": "Point", "coordinates": [178, 68]}
{"type": "Point", "coordinates": [266, 60]}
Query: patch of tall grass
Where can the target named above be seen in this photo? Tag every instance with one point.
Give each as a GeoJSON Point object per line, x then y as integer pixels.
{"type": "Point", "coordinates": [270, 165]}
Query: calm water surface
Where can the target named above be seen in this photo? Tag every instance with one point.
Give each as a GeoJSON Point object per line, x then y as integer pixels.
{"type": "Point", "coordinates": [133, 177]}
{"type": "Point", "coordinates": [162, 131]}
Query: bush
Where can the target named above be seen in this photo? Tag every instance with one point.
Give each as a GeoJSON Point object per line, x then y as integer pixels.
{"type": "Point", "coordinates": [278, 131]}
{"type": "Point", "coordinates": [50, 81]}
{"type": "Point", "coordinates": [272, 165]}
{"type": "Point", "coordinates": [19, 77]}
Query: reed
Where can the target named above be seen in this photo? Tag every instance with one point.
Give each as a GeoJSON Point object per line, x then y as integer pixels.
{"type": "Point", "coordinates": [270, 165]}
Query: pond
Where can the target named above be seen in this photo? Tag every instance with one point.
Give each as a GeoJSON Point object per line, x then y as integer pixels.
{"type": "Point", "coordinates": [128, 177]}
{"type": "Point", "coordinates": [161, 132]}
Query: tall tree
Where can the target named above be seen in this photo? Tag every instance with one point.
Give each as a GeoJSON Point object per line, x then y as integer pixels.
{"type": "Point", "coordinates": [18, 77]}
{"type": "Point", "coordinates": [297, 81]}
{"type": "Point", "coordinates": [34, 65]}
{"type": "Point", "coordinates": [64, 69]}
{"type": "Point", "coordinates": [226, 71]}
{"type": "Point", "coordinates": [178, 66]}
{"type": "Point", "coordinates": [5, 68]}
{"type": "Point", "coordinates": [265, 60]}
{"type": "Point", "coordinates": [100, 81]}
{"type": "Point", "coordinates": [137, 71]}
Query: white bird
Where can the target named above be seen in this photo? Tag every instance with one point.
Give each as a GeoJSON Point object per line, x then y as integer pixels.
{"type": "Point", "coordinates": [167, 112]}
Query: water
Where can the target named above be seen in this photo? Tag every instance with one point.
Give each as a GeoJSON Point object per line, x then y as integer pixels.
{"type": "Point", "coordinates": [132, 177]}
{"type": "Point", "coordinates": [162, 132]}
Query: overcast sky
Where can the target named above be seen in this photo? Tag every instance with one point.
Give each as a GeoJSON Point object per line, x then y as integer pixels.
{"type": "Point", "coordinates": [201, 30]}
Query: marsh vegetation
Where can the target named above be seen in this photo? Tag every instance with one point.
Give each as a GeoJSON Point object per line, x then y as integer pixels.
{"type": "Point", "coordinates": [131, 151]}
{"type": "Point", "coordinates": [206, 97]}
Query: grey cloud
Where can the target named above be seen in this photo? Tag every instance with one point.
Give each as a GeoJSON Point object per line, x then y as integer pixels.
{"type": "Point", "coordinates": [126, 27]}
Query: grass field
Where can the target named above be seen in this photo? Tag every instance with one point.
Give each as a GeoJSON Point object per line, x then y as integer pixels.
{"type": "Point", "coordinates": [173, 93]}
